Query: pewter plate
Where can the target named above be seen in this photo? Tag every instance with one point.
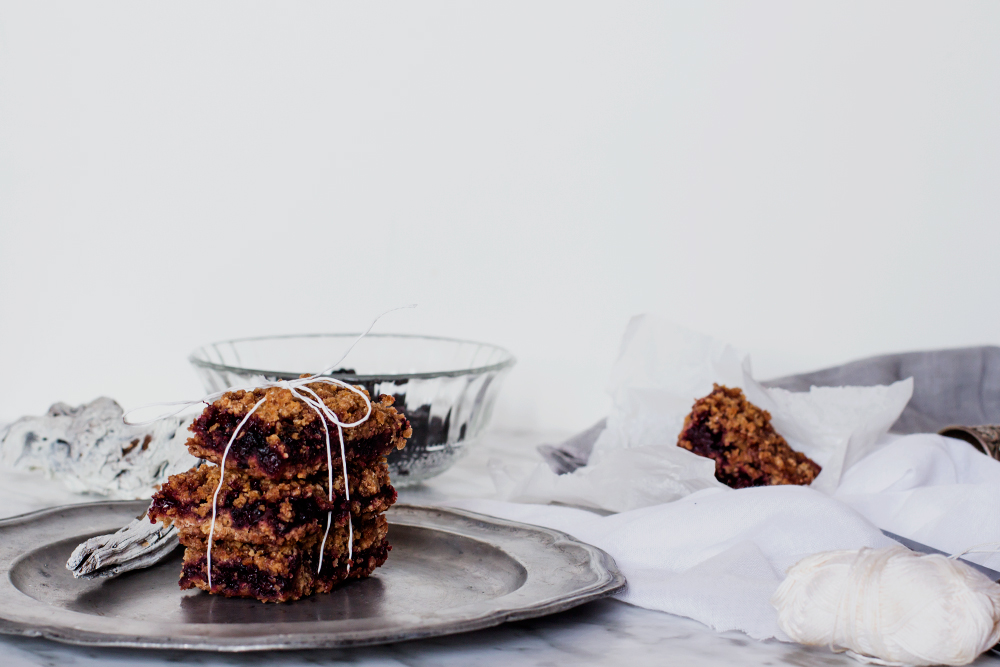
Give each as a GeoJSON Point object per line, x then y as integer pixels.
{"type": "Point", "coordinates": [449, 571]}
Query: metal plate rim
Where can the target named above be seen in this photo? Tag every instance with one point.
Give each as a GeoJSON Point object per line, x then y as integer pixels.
{"type": "Point", "coordinates": [607, 580]}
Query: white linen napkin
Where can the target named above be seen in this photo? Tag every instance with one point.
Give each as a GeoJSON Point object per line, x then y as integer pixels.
{"type": "Point", "coordinates": [940, 491]}
{"type": "Point", "coordinates": [717, 555]}
{"type": "Point", "coordinates": [689, 545]}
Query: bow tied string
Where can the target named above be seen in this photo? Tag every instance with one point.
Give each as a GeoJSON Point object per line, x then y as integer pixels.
{"type": "Point", "coordinates": [300, 390]}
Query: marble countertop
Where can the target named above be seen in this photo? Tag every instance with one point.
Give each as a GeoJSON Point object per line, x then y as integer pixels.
{"type": "Point", "coordinates": [599, 633]}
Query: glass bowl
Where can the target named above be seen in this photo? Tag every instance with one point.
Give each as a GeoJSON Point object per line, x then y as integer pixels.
{"type": "Point", "coordinates": [445, 387]}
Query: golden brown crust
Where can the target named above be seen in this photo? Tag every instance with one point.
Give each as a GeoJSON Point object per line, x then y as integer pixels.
{"type": "Point", "coordinates": [725, 426]}
{"type": "Point", "coordinates": [262, 511]}
{"type": "Point", "coordinates": [286, 572]}
{"type": "Point", "coordinates": [285, 437]}
{"type": "Point", "coordinates": [283, 406]}
{"type": "Point", "coordinates": [369, 529]}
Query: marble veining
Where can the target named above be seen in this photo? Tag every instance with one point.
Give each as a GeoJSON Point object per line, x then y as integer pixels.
{"type": "Point", "coordinates": [606, 632]}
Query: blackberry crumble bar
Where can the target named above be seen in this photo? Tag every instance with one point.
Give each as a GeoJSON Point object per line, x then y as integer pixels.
{"type": "Point", "coordinates": [285, 438]}
{"type": "Point", "coordinates": [276, 509]}
{"type": "Point", "coordinates": [725, 426]}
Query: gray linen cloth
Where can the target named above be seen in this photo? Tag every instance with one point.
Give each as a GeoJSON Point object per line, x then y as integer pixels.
{"type": "Point", "coordinates": [959, 386]}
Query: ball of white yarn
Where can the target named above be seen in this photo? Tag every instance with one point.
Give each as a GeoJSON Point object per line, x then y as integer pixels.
{"type": "Point", "coordinates": [890, 604]}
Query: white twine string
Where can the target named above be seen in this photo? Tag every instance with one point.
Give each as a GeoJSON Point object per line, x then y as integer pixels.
{"type": "Point", "coordinates": [975, 549]}
{"type": "Point", "coordinates": [310, 398]}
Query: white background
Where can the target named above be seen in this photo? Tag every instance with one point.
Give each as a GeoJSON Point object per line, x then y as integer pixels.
{"type": "Point", "coordinates": [814, 182]}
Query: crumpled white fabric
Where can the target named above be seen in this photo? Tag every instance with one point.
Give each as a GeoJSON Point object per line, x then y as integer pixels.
{"type": "Point", "coordinates": [691, 546]}
{"type": "Point", "coordinates": [834, 426]}
{"type": "Point", "coordinates": [717, 555]}
{"type": "Point", "coordinates": [939, 491]}
{"type": "Point", "coordinates": [661, 370]}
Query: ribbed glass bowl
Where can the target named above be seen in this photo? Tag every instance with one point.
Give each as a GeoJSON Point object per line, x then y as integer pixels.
{"type": "Point", "coordinates": [445, 387]}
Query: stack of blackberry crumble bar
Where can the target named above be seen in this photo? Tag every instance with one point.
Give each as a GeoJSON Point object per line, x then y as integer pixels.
{"type": "Point", "coordinates": [272, 511]}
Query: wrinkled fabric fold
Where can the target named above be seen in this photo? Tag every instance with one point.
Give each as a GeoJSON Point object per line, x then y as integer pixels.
{"type": "Point", "coordinates": [718, 555]}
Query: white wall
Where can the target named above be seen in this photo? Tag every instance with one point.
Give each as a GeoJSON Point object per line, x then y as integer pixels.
{"type": "Point", "coordinates": [812, 181]}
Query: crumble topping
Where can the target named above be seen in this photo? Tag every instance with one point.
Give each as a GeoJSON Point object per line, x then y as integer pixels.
{"type": "Point", "coordinates": [725, 426]}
